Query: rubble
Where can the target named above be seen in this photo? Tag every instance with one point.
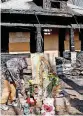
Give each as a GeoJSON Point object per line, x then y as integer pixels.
{"type": "Point", "coordinates": [65, 67]}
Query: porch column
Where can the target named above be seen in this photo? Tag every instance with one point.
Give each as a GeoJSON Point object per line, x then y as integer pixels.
{"type": "Point", "coordinates": [37, 43]}
{"type": "Point", "coordinates": [39, 40]}
{"type": "Point", "coordinates": [72, 46]}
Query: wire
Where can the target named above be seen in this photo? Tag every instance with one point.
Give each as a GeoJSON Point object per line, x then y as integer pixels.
{"type": "Point", "coordinates": [37, 19]}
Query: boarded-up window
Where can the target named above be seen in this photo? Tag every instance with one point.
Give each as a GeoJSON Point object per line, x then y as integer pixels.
{"type": "Point", "coordinates": [76, 41]}
{"type": "Point", "coordinates": [51, 43]}
{"type": "Point", "coordinates": [19, 42]}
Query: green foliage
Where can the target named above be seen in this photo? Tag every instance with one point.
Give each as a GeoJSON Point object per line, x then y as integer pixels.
{"type": "Point", "coordinates": [54, 81]}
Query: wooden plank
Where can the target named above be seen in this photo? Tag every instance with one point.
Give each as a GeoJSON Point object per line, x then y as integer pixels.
{"type": "Point", "coordinates": [19, 47]}
{"type": "Point", "coordinates": [48, 12]}
{"type": "Point", "coordinates": [77, 26]}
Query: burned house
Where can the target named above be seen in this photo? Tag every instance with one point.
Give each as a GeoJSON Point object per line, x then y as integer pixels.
{"type": "Point", "coordinates": [40, 26]}
{"type": "Point", "coordinates": [43, 26]}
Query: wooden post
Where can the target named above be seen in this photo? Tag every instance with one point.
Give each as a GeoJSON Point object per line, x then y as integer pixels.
{"type": "Point", "coordinates": [37, 49]}
{"type": "Point", "coordinates": [72, 44]}
{"type": "Point", "coordinates": [39, 40]}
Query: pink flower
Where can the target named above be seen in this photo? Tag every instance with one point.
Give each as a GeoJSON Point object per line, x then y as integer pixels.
{"type": "Point", "coordinates": [48, 108]}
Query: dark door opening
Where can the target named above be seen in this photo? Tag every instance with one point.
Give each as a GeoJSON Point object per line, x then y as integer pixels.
{"type": "Point", "coordinates": [4, 39]}
{"type": "Point", "coordinates": [61, 41]}
{"type": "Point", "coordinates": [81, 38]}
{"type": "Point", "coordinates": [33, 41]}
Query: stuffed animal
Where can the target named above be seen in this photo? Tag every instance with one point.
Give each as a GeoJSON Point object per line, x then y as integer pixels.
{"type": "Point", "coordinates": [26, 109]}
{"type": "Point", "coordinates": [48, 107]}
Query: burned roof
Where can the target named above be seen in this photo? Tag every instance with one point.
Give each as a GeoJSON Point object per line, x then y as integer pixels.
{"type": "Point", "coordinates": [29, 7]}
{"type": "Point", "coordinates": [78, 3]}
{"type": "Point", "coordinates": [76, 6]}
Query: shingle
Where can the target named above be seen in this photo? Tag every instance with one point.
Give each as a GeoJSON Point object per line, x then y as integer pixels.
{"type": "Point", "coordinates": [77, 2]}
{"type": "Point", "coordinates": [16, 4]}
{"type": "Point", "coordinates": [76, 6]}
{"type": "Point", "coordinates": [28, 6]}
